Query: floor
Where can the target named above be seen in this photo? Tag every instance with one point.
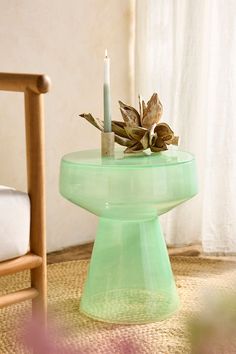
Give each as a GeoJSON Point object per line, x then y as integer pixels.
{"type": "Point", "coordinates": [71, 253]}
{"type": "Point", "coordinates": [85, 251]}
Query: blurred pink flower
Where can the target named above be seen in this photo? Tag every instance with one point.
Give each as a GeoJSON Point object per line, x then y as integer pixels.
{"type": "Point", "coordinates": [43, 341]}
{"type": "Point", "coordinates": [49, 341]}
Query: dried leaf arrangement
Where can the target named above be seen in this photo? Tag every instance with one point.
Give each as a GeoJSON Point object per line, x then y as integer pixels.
{"type": "Point", "coordinates": [140, 130]}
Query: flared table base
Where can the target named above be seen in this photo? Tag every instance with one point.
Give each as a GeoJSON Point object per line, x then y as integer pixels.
{"type": "Point", "coordinates": [130, 278]}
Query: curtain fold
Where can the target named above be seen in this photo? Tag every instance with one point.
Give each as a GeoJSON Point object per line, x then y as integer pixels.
{"type": "Point", "coordinates": [186, 51]}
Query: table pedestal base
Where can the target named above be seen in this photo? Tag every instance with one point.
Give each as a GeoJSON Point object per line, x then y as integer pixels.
{"type": "Point", "coordinates": [130, 278]}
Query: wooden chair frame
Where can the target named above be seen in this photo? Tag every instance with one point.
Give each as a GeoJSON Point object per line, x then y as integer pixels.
{"type": "Point", "coordinates": [33, 86]}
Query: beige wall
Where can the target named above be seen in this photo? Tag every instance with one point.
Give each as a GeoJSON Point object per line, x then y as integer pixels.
{"type": "Point", "coordinates": [65, 39]}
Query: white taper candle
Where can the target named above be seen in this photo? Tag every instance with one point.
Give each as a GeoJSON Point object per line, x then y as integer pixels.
{"type": "Point", "coordinates": [107, 94]}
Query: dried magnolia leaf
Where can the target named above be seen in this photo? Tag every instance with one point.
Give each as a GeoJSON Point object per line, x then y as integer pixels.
{"type": "Point", "coordinates": [164, 131]}
{"type": "Point", "coordinates": [130, 115]}
{"type": "Point", "coordinates": [145, 140]}
{"type": "Point", "coordinates": [123, 141]}
{"type": "Point", "coordinates": [135, 133]}
{"type": "Point", "coordinates": [119, 128]}
{"type": "Point", "coordinates": [157, 149]}
{"type": "Point", "coordinates": [174, 141]}
{"type": "Point", "coordinates": [152, 135]}
{"type": "Point", "coordinates": [152, 113]}
{"type": "Point", "coordinates": [140, 102]}
{"type": "Point", "coordinates": [137, 147]}
{"type": "Point", "coordinates": [94, 121]}
{"type": "Point", "coordinates": [144, 107]}
{"type": "Point", "coordinates": [160, 145]}
{"type": "Point", "coordinates": [118, 123]}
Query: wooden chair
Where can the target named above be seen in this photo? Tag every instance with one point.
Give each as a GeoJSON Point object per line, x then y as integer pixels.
{"type": "Point", "coordinates": [33, 86]}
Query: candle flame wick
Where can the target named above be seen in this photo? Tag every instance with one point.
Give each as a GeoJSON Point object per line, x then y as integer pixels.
{"type": "Point", "coordinates": [106, 55]}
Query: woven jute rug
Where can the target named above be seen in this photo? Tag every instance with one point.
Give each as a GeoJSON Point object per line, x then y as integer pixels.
{"type": "Point", "coordinates": [194, 276]}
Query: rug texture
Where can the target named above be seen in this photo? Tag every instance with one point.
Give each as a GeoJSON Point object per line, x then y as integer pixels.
{"type": "Point", "coordinates": [194, 277]}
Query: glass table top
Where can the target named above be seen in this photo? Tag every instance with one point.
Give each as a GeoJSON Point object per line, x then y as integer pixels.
{"type": "Point", "coordinates": [139, 160]}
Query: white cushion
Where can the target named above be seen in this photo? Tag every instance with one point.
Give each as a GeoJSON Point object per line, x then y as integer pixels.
{"type": "Point", "coordinates": [14, 223]}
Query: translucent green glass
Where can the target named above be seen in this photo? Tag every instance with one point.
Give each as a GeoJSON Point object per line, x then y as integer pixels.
{"type": "Point", "coordinates": [130, 278]}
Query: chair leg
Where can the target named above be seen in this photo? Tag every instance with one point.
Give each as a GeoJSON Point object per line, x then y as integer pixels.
{"type": "Point", "coordinates": [36, 191]}
{"type": "Point", "coordinates": [39, 304]}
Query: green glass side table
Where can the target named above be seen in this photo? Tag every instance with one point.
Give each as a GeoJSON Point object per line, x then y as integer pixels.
{"type": "Point", "coordinates": [130, 278]}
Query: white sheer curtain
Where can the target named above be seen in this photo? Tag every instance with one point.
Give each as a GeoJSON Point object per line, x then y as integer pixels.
{"type": "Point", "coordinates": [186, 51]}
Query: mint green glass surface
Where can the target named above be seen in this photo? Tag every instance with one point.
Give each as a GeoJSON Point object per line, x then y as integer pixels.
{"type": "Point", "coordinates": [130, 278]}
